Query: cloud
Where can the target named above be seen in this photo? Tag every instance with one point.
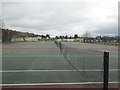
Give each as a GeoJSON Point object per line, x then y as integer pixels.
{"type": "Point", "coordinates": [110, 29]}
{"type": "Point", "coordinates": [61, 18]}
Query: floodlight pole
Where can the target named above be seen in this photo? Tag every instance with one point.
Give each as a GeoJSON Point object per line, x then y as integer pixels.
{"type": "Point", "coordinates": [106, 70]}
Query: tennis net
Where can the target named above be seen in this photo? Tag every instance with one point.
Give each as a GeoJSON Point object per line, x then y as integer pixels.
{"type": "Point", "coordinates": [92, 64]}
{"type": "Point", "coordinates": [82, 59]}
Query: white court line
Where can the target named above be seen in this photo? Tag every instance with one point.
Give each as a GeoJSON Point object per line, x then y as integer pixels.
{"type": "Point", "coordinates": [54, 83]}
{"type": "Point", "coordinates": [54, 70]}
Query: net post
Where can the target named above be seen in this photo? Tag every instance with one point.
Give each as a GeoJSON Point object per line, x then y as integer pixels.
{"type": "Point", "coordinates": [106, 70]}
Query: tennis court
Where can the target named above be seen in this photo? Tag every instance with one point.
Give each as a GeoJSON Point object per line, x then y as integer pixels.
{"type": "Point", "coordinates": [42, 63]}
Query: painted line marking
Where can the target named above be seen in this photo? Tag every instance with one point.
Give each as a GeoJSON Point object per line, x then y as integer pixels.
{"type": "Point", "coordinates": [56, 70]}
{"type": "Point", "coordinates": [54, 83]}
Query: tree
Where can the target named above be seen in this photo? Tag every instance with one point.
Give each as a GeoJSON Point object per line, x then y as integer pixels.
{"type": "Point", "coordinates": [98, 38]}
{"type": "Point", "coordinates": [75, 36]}
{"type": "Point", "coordinates": [47, 36]}
{"type": "Point", "coordinates": [105, 38]}
{"type": "Point", "coordinates": [86, 36]}
{"type": "Point", "coordinates": [6, 35]}
{"type": "Point", "coordinates": [70, 37]}
{"type": "Point", "coordinates": [66, 37]}
{"type": "Point", "coordinates": [61, 37]}
{"type": "Point", "coordinates": [56, 37]}
{"type": "Point", "coordinates": [43, 37]}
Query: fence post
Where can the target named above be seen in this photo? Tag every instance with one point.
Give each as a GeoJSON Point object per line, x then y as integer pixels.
{"type": "Point", "coordinates": [106, 70]}
{"type": "Point", "coordinates": [60, 46]}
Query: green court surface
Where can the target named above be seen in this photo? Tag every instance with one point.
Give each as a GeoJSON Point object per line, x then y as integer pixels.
{"type": "Point", "coordinates": [43, 62]}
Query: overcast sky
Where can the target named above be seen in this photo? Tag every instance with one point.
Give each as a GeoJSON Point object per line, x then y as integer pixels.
{"type": "Point", "coordinates": [99, 17]}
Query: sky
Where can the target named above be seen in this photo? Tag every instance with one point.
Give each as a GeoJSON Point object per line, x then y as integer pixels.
{"type": "Point", "coordinates": [61, 17]}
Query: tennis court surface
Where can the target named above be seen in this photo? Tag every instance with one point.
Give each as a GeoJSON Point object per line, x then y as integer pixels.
{"type": "Point", "coordinates": [40, 64]}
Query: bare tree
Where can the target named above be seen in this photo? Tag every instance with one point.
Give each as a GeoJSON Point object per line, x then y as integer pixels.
{"type": "Point", "coordinates": [86, 36]}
